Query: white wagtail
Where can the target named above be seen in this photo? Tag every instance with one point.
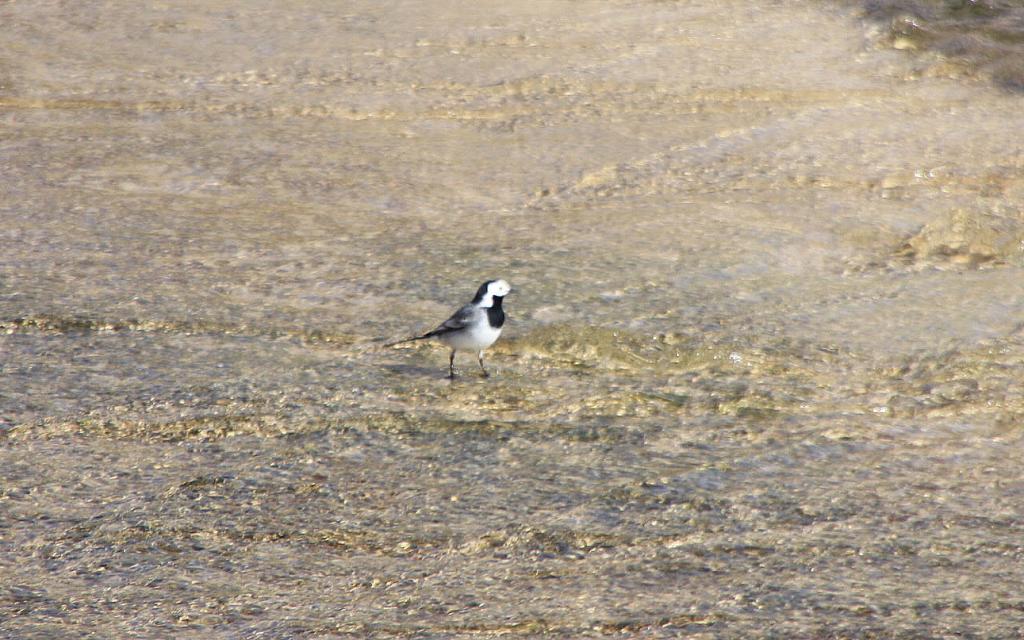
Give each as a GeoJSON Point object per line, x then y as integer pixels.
{"type": "Point", "coordinates": [475, 326]}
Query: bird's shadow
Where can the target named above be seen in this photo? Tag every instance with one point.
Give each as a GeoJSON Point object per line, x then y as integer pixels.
{"type": "Point", "coordinates": [420, 371]}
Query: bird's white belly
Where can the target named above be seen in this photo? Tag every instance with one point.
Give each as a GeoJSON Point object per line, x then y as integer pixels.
{"type": "Point", "coordinates": [475, 338]}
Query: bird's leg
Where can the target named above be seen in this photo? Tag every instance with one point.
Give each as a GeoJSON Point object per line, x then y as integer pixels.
{"type": "Point", "coordinates": [480, 359]}
{"type": "Point", "coordinates": [451, 365]}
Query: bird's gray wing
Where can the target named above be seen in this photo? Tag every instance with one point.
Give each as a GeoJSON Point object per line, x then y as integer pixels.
{"type": "Point", "coordinates": [460, 320]}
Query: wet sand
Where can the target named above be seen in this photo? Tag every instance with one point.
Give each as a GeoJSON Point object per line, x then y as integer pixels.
{"type": "Point", "coordinates": [760, 377]}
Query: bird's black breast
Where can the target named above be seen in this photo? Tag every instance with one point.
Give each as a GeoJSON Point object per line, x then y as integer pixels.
{"type": "Point", "coordinates": [495, 314]}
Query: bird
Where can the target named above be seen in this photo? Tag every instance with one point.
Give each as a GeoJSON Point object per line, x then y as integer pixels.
{"type": "Point", "coordinates": [474, 327]}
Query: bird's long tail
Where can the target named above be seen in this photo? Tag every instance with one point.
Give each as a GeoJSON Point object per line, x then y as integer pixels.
{"type": "Point", "coordinates": [414, 339]}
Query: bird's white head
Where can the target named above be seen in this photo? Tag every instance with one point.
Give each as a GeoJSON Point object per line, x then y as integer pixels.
{"type": "Point", "coordinates": [490, 290]}
{"type": "Point", "coordinates": [498, 288]}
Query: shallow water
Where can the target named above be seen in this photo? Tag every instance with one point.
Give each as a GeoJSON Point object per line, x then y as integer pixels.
{"type": "Point", "coordinates": [760, 377]}
{"type": "Point", "coordinates": [967, 40]}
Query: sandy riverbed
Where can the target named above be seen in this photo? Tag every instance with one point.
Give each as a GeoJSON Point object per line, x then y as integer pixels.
{"type": "Point", "coordinates": [761, 375]}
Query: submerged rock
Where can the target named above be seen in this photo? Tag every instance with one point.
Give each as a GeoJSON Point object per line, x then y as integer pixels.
{"type": "Point", "coordinates": [968, 238]}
